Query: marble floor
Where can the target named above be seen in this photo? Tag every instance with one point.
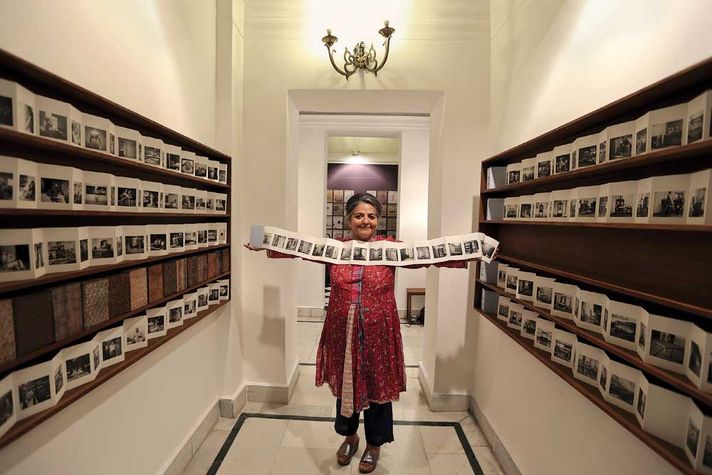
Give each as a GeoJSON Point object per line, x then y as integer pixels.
{"type": "Point", "coordinates": [298, 438]}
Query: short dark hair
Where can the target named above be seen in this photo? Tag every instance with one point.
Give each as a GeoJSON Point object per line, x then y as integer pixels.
{"type": "Point", "coordinates": [367, 198]}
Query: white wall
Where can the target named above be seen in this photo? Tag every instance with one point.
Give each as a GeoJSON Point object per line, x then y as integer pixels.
{"type": "Point", "coordinates": [157, 58]}
{"type": "Point", "coordinates": [552, 61]}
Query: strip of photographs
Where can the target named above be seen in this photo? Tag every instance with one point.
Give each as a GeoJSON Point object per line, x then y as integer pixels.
{"type": "Point", "coordinates": [26, 112]}
{"type": "Point", "coordinates": [31, 253]}
{"type": "Point", "coordinates": [672, 126]}
{"type": "Point", "coordinates": [381, 253]}
{"type": "Point", "coordinates": [31, 390]}
{"type": "Point", "coordinates": [672, 199]}
{"type": "Point", "coordinates": [666, 414]}
{"type": "Point", "coordinates": [26, 184]}
{"type": "Point", "coordinates": [675, 345]}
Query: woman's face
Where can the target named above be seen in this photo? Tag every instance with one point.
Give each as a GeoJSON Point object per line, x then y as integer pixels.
{"type": "Point", "coordinates": [363, 221]}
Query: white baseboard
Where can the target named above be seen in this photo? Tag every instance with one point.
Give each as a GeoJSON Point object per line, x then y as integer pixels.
{"type": "Point", "coordinates": [274, 394]}
{"type": "Point", "coordinates": [192, 442]}
{"type": "Point", "coordinates": [231, 406]}
{"type": "Point", "coordinates": [441, 402]}
{"type": "Point", "coordinates": [498, 449]}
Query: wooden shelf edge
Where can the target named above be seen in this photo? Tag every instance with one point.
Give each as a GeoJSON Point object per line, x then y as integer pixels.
{"type": "Point", "coordinates": [696, 149]}
{"type": "Point", "coordinates": [674, 455]}
{"type": "Point", "coordinates": [46, 145]}
{"type": "Point", "coordinates": [11, 62]}
{"type": "Point", "coordinates": [72, 395]}
{"type": "Point", "coordinates": [94, 270]}
{"type": "Point", "coordinates": [655, 91]}
{"type": "Point", "coordinates": [679, 382]}
{"type": "Point", "coordinates": [608, 225]}
{"type": "Point", "coordinates": [674, 304]}
{"type": "Point", "coordinates": [17, 363]}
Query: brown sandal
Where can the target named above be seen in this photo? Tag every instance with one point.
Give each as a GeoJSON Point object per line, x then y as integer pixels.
{"type": "Point", "coordinates": [368, 460]}
{"type": "Point", "coordinates": [346, 452]}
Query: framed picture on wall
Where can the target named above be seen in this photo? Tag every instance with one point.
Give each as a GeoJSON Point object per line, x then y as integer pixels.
{"type": "Point", "coordinates": [329, 195]}
{"type": "Point", "coordinates": [337, 209]}
{"type": "Point", "coordinates": [338, 222]}
{"type": "Point", "coordinates": [393, 197]}
{"type": "Point", "coordinates": [329, 209]}
{"type": "Point", "coordinates": [338, 196]}
{"type": "Point", "coordinates": [382, 196]}
{"type": "Point", "coordinates": [348, 194]}
{"type": "Point", "coordinates": [392, 210]}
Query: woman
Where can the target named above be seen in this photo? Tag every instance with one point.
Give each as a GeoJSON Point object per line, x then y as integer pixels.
{"type": "Point", "coordinates": [360, 353]}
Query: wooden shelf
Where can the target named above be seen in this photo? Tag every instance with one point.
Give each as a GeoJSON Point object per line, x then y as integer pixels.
{"type": "Point", "coordinates": [670, 303]}
{"type": "Point", "coordinates": [703, 228]}
{"type": "Point", "coordinates": [677, 88]}
{"type": "Point", "coordinates": [44, 150]}
{"type": "Point", "coordinates": [676, 160]}
{"type": "Point", "coordinates": [47, 279]}
{"type": "Point", "coordinates": [678, 381]}
{"type": "Point", "coordinates": [674, 455]}
{"type": "Point", "coordinates": [72, 395]}
{"type": "Point", "coordinates": [20, 362]}
{"type": "Point", "coordinates": [41, 81]}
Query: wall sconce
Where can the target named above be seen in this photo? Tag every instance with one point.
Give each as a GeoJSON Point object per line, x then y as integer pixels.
{"type": "Point", "coordinates": [359, 58]}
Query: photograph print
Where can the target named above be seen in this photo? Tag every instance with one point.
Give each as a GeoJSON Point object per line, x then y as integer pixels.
{"type": "Point", "coordinates": [643, 203]}
{"type": "Point", "coordinates": [6, 116]}
{"type": "Point", "coordinates": [375, 254]}
{"type": "Point", "coordinates": [693, 437]}
{"type": "Point", "coordinates": [621, 147]}
{"type": "Point", "coordinates": [29, 123]}
{"type": "Point", "coordinates": [562, 163]}
{"type": "Point", "coordinates": [152, 155]}
{"type": "Point", "coordinates": [527, 173]}
{"type": "Point", "coordinates": [6, 186]}
{"type": "Point", "coordinates": [622, 206]}
{"type": "Point", "coordinates": [39, 255]}
{"type": "Point", "coordinates": [172, 161]}
{"type": "Point", "coordinates": [157, 323]}
{"type": "Point", "coordinates": [26, 189]}
{"type": "Point", "coordinates": [562, 302]}
{"type": "Point", "coordinates": [543, 169]}
{"type": "Point", "coordinates": [305, 247]}
{"type": "Point", "coordinates": [135, 336]}
{"type": "Point", "coordinates": [439, 251]}
{"type": "Point", "coordinates": [78, 367]}
{"type": "Point", "coordinates": [150, 199]}
{"type": "Point", "coordinates": [563, 350]}
{"type": "Point", "coordinates": [318, 250]}
{"type": "Point", "coordinates": [695, 362]}
{"type": "Point", "coordinates": [641, 336]}
{"type": "Point", "coordinates": [392, 254]}
{"type": "Point", "coordinates": [187, 166]}
{"type": "Point", "coordinates": [175, 314]}
{"type": "Point", "coordinates": [529, 327]}
{"type": "Point", "coordinates": [158, 242]}
{"type": "Point", "coordinates": [472, 247]}
{"type": "Point", "coordinates": [61, 252]}
{"type": "Point", "coordinates": [667, 134]}
{"type": "Point", "coordinates": [54, 190]}
{"type": "Point", "coordinates": [78, 193]}
{"type": "Point", "coordinates": [694, 127]}
{"type": "Point", "coordinates": [515, 318]}
{"type": "Point", "coordinates": [111, 348]}
{"type": "Point", "coordinates": [707, 455]}
{"type": "Point", "coordinates": [587, 207]}
{"type": "Point", "coordinates": [330, 252]}
{"type": "Point", "coordinates": [669, 204]}
{"type": "Point", "coordinates": [127, 196]}
{"type": "Point", "coordinates": [543, 294]}
{"type": "Point", "coordinates": [487, 250]}
{"type": "Point", "coordinates": [587, 156]}
{"type": "Point", "coordinates": [96, 195]}
{"type": "Point", "coordinates": [697, 202]}
{"type": "Point", "coordinates": [188, 202]}
{"type": "Point", "coordinates": [406, 254]}
{"type": "Point", "coordinates": [622, 389]}
{"type": "Point", "coordinates": [513, 176]}
{"type": "Point", "coordinates": [587, 366]}
{"type": "Point", "coordinates": [7, 407]}
{"type": "Point", "coordinates": [170, 201]}
{"type": "Point", "coordinates": [623, 327]}
{"type": "Point", "coordinates": [176, 240]}
{"type": "Point", "coordinates": [201, 169]}
{"type": "Point", "coordinates": [543, 337]}
{"type": "Point", "coordinates": [34, 392]}
{"type": "Point", "coordinates": [591, 313]}
{"type": "Point", "coordinates": [102, 248]}
{"type": "Point", "coordinates": [455, 248]}
{"type": "Point", "coordinates": [602, 206]}
{"type": "Point", "coordinates": [525, 210]}
{"type": "Point", "coordinates": [602, 379]}
{"type": "Point", "coordinates": [503, 310]}
{"type": "Point", "coordinates": [53, 126]}
{"type": "Point", "coordinates": [15, 258]}
{"type": "Point", "coordinates": [525, 287]}
{"type": "Point", "coordinates": [127, 148]}
{"type": "Point", "coordinates": [345, 254]}
{"type": "Point", "coordinates": [641, 402]}
{"type": "Point", "coordinates": [667, 346]}
{"type": "Point", "coordinates": [95, 138]}
{"type": "Point", "coordinates": [135, 244]}
{"type": "Point", "coordinates": [359, 254]}
{"type": "Point", "coordinates": [422, 252]}
{"type": "Point", "coordinates": [558, 209]}
{"type": "Point", "coordinates": [602, 152]}
{"type": "Point", "coordinates": [76, 133]}
{"type": "Point", "coordinates": [292, 244]}
{"type": "Point", "coordinates": [641, 141]}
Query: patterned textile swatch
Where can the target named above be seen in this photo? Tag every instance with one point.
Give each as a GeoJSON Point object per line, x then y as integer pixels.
{"type": "Point", "coordinates": [7, 332]}
{"type": "Point", "coordinates": [192, 271]}
{"type": "Point", "coordinates": [67, 304]}
{"type": "Point", "coordinates": [170, 278]}
{"type": "Point", "coordinates": [139, 288]}
{"type": "Point", "coordinates": [34, 323]}
{"type": "Point", "coordinates": [119, 294]}
{"type": "Point", "coordinates": [180, 273]}
{"type": "Point", "coordinates": [225, 260]}
{"type": "Point", "coordinates": [202, 267]}
{"type": "Point", "coordinates": [212, 264]}
{"type": "Point", "coordinates": [155, 283]}
{"type": "Point", "coordinates": [95, 295]}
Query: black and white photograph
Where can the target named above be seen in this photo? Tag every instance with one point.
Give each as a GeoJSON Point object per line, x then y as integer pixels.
{"type": "Point", "coordinates": [422, 252]}
{"type": "Point", "coordinates": [135, 336]}
{"type": "Point", "coordinates": [96, 195]}
{"type": "Point", "coordinates": [29, 124]}
{"type": "Point", "coordinates": [667, 346]}
{"type": "Point", "coordinates": [223, 291]}
{"type": "Point", "coordinates": [330, 252]}
{"type": "Point", "coordinates": [641, 141]}
{"type": "Point", "coordinates": [6, 186]}
{"type": "Point", "coordinates": [191, 238]}
{"type": "Point", "coordinates": [407, 254]}
{"type": "Point", "coordinates": [200, 203]}
{"type": "Point", "coordinates": [563, 350]}
{"type": "Point", "coordinates": [76, 133]}
{"type": "Point", "coordinates": [7, 407]}
{"type": "Point", "coordinates": [97, 357]}
{"type": "Point", "coordinates": [220, 205]}
{"type": "Point", "coordinates": [392, 254]}
{"type": "Point", "coordinates": [135, 245]}
{"type": "Point", "coordinates": [439, 251]}
{"type": "Point", "coordinates": [39, 255]}
{"type": "Point", "coordinates": [623, 327]}
{"type": "Point", "coordinates": [53, 126]}
{"type": "Point", "coordinates": [77, 194]}
{"type": "Point", "coordinates": [127, 196]}
{"type": "Point", "coordinates": [201, 169]}
{"type": "Point", "coordinates": [525, 287]}
{"type": "Point", "coordinates": [591, 313]}
{"type": "Point", "coordinates": [525, 210]}
{"type": "Point", "coordinates": [171, 201]}
{"type": "Point", "coordinates": [152, 155]}
{"type": "Point", "coordinates": [472, 247]}
{"type": "Point", "coordinates": [111, 348]}
{"type": "Point", "coordinates": [587, 156]}
{"type": "Point", "coordinates": [455, 248]}
{"type": "Point", "coordinates": [345, 254]}
{"type": "Point", "coordinates": [27, 188]}
{"type": "Point", "coordinates": [102, 248]}
{"type": "Point", "coordinates": [172, 161]}
{"type": "Point", "coordinates": [587, 366]}
{"type": "Point", "coordinates": [151, 199]}
{"type": "Point", "coordinates": [78, 367]}
{"type": "Point", "coordinates": [693, 437]}
{"type": "Point", "coordinates": [203, 300]}
{"type": "Point", "coordinates": [602, 206]}
{"type": "Point", "coordinates": [176, 240]}
{"type": "Point", "coordinates": [643, 205]}
{"type": "Point", "coordinates": [562, 302]}
{"type": "Point", "coordinates": [602, 152]}
{"type": "Point", "coordinates": [375, 254]}
{"type": "Point", "coordinates": [54, 190]}
{"type": "Point", "coordinates": [157, 323]}
{"type": "Point", "coordinates": [515, 318]}
{"type": "Point", "coordinates": [61, 252]}
{"type": "Point", "coordinates": [359, 254]}
{"type": "Point", "coordinates": [641, 402]}
{"type": "Point", "coordinates": [544, 294]}
{"type": "Point", "coordinates": [34, 392]}
{"type": "Point", "coordinates": [622, 206]}
{"type": "Point", "coordinates": [543, 169]}
{"type": "Point", "coordinates": [187, 166]}
{"type": "Point", "coordinates": [188, 202]}
{"type": "Point", "coordinates": [6, 116]}
{"type": "Point", "coordinates": [707, 455]}
{"type": "Point", "coordinates": [127, 148]}
{"type": "Point", "coordinates": [527, 173]}
{"type": "Point", "coordinates": [695, 362]}
{"type": "Point", "coordinates": [622, 389]}
{"type": "Point", "coordinates": [669, 204]}
{"type": "Point", "coordinates": [95, 138]}
{"type": "Point", "coordinates": [694, 127]}
{"type": "Point", "coordinates": [562, 163]}
{"type": "Point", "coordinates": [602, 379]}
{"type": "Point", "coordinates": [697, 203]}
{"type": "Point", "coordinates": [529, 327]}
{"type": "Point", "coordinates": [175, 314]}
{"type": "Point", "coordinates": [305, 247]}
{"type": "Point", "coordinates": [513, 176]}
{"type": "Point", "coordinates": [119, 246]}
{"type": "Point", "coordinates": [511, 282]}
{"type": "Point", "coordinates": [212, 235]}
{"type": "Point", "coordinates": [587, 207]}
{"type": "Point", "coordinates": [212, 173]}
{"type": "Point", "coordinates": [641, 336]}
{"type": "Point", "coordinates": [510, 211]}
{"type": "Point", "coordinates": [158, 242]}
{"type": "Point", "coordinates": [558, 209]}
{"type": "Point", "coordinates": [621, 147]}
{"type": "Point", "coordinates": [15, 258]}
{"type": "Point", "coordinates": [541, 209]}
{"type": "Point", "coordinates": [190, 306]}
{"type": "Point", "coordinates": [503, 311]}
{"type": "Point", "coordinates": [667, 134]}
{"type": "Point", "coordinates": [543, 337]}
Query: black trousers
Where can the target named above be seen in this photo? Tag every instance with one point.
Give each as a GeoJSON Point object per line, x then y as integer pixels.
{"type": "Point", "coordinates": [377, 421]}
